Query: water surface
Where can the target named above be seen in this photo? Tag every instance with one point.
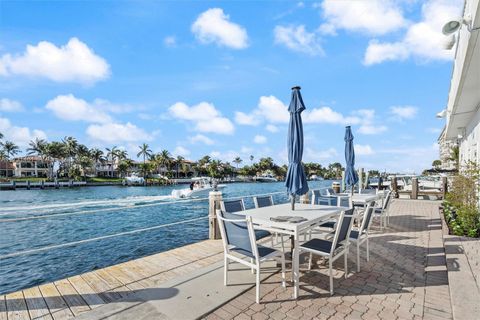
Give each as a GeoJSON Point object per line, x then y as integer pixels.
{"type": "Point", "coordinates": [99, 211]}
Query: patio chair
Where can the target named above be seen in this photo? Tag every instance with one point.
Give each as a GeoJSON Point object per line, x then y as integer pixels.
{"type": "Point", "coordinates": [267, 201]}
{"type": "Point", "coordinates": [319, 199]}
{"type": "Point", "coordinates": [235, 206]}
{"type": "Point", "coordinates": [238, 237]}
{"type": "Point", "coordinates": [332, 249]}
{"type": "Point", "coordinates": [361, 235]}
{"type": "Point", "coordinates": [381, 212]}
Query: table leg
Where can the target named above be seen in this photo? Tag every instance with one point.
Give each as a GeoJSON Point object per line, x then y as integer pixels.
{"type": "Point", "coordinates": [295, 267]}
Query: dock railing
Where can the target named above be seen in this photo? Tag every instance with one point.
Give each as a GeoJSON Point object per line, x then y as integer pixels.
{"type": "Point", "coordinates": [214, 203]}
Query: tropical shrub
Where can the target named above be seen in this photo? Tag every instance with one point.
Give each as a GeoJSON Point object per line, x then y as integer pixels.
{"type": "Point", "coordinates": [461, 207]}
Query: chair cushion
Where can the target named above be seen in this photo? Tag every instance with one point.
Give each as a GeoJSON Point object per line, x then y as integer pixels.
{"type": "Point", "coordinates": [318, 245]}
{"type": "Point", "coordinates": [262, 251]}
{"type": "Point", "coordinates": [354, 234]}
{"type": "Point", "coordinates": [378, 210]}
{"type": "Point", "coordinates": [260, 234]}
{"type": "Point", "coordinates": [328, 224]}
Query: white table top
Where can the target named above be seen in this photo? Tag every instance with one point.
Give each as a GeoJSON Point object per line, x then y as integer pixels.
{"type": "Point", "coordinates": [313, 214]}
{"type": "Point", "coordinates": [364, 198]}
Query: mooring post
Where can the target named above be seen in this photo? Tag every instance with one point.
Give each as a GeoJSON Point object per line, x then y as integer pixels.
{"type": "Point", "coordinates": [214, 198]}
{"type": "Point", "coordinates": [414, 194]}
{"type": "Point", "coordinates": [305, 198]}
{"type": "Point", "coordinates": [444, 187]}
{"type": "Point", "coordinates": [28, 184]}
{"type": "Point", "coordinates": [394, 186]}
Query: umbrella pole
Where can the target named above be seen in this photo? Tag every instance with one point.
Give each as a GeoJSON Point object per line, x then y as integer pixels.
{"type": "Point", "coordinates": [292, 200]}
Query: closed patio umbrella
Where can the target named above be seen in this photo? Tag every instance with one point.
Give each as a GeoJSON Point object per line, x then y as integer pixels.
{"type": "Point", "coordinates": [351, 177]}
{"type": "Point", "coordinates": [296, 181]}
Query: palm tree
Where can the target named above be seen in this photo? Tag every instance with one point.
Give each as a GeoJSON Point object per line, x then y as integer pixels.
{"type": "Point", "coordinates": [10, 149]}
{"type": "Point", "coordinates": [97, 156]}
{"type": "Point", "coordinates": [251, 158]}
{"type": "Point", "coordinates": [37, 146]}
{"type": "Point", "coordinates": [112, 153]}
{"type": "Point", "coordinates": [178, 163]}
{"type": "Point", "coordinates": [71, 149]}
{"type": "Point", "coordinates": [55, 151]}
{"type": "Point", "coordinates": [165, 159]}
{"type": "Point", "coordinates": [237, 161]}
{"type": "Point", "coordinates": [145, 152]}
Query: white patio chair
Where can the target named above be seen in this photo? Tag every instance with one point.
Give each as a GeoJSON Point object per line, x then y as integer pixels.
{"type": "Point", "coordinates": [238, 237]}
{"type": "Point", "coordinates": [361, 235]}
{"type": "Point", "coordinates": [267, 201]}
{"type": "Point", "coordinates": [381, 211]}
{"type": "Point", "coordinates": [332, 249]}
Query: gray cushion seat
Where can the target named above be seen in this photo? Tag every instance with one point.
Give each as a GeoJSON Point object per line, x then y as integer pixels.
{"type": "Point", "coordinates": [262, 251]}
{"type": "Point", "coordinates": [319, 245]}
{"type": "Point", "coordinates": [354, 234]}
{"type": "Point", "coordinates": [328, 224]}
{"type": "Point", "coordinates": [260, 234]}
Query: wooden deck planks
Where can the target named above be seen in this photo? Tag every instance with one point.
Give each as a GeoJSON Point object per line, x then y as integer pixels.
{"type": "Point", "coordinates": [73, 299]}
{"type": "Point", "coordinates": [3, 308]}
{"type": "Point", "coordinates": [88, 294]}
{"type": "Point", "coordinates": [37, 307]}
{"type": "Point", "coordinates": [58, 307]}
{"type": "Point", "coordinates": [16, 306]}
{"type": "Point", "coordinates": [70, 297]}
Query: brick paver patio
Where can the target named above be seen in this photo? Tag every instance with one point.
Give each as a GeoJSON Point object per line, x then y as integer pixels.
{"type": "Point", "coordinates": [406, 278]}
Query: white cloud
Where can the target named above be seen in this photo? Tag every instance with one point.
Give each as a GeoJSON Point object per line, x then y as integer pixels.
{"type": "Point", "coordinates": [68, 107]}
{"type": "Point", "coordinates": [73, 62]}
{"type": "Point", "coordinates": [170, 41]}
{"type": "Point", "coordinates": [214, 26]}
{"type": "Point", "coordinates": [373, 17]}
{"type": "Point", "coordinates": [363, 150]}
{"type": "Point", "coordinates": [117, 132]}
{"type": "Point", "coordinates": [19, 135]}
{"type": "Point", "coordinates": [371, 129]}
{"type": "Point", "coordinates": [317, 155]}
{"type": "Point", "coordinates": [202, 139]}
{"type": "Point", "coordinates": [246, 119]}
{"type": "Point", "coordinates": [7, 105]}
{"type": "Point", "coordinates": [181, 151]}
{"type": "Point", "coordinates": [423, 40]}
{"type": "Point", "coordinates": [205, 116]}
{"type": "Point", "coordinates": [296, 38]}
{"type": "Point", "coordinates": [404, 112]}
{"type": "Point", "coordinates": [327, 115]}
{"type": "Point", "coordinates": [273, 110]}
{"type": "Point", "coordinates": [226, 156]}
{"type": "Point", "coordinates": [271, 128]}
{"type": "Point", "coordinates": [259, 139]}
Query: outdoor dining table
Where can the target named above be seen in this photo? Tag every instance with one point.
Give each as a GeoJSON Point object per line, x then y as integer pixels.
{"type": "Point", "coordinates": [364, 198]}
{"type": "Point", "coordinates": [313, 214]}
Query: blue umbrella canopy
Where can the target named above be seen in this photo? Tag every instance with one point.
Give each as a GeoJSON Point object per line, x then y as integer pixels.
{"type": "Point", "coordinates": [296, 181]}
{"type": "Point", "coordinates": [351, 177]}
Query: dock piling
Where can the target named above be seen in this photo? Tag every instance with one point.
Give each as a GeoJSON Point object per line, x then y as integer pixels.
{"type": "Point", "coordinates": [414, 194]}
{"type": "Point", "coordinates": [214, 198]}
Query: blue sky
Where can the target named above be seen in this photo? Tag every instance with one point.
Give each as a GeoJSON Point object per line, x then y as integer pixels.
{"type": "Point", "coordinates": [200, 77]}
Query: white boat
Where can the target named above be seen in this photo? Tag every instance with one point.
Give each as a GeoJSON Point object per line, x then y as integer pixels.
{"type": "Point", "coordinates": [134, 179]}
{"type": "Point", "coordinates": [265, 178]}
{"type": "Point", "coordinates": [201, 187]}
{"type": "Point", "coordinates": [314, 177]}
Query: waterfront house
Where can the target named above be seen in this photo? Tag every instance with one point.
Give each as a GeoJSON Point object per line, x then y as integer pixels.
{"type": "Point", "coordinates": [31, 166]}
{"type": "Point", "coordinates": [6, 168]}
{"type": "Point", "coordinates": [462, 113]}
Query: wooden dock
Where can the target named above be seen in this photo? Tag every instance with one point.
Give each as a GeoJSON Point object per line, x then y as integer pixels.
{"type": "Point", "coordinates": [70, 297]}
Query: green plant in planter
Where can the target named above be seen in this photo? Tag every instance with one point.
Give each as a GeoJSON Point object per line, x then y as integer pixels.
{"type": "Point", "coordinates": [461, 208]}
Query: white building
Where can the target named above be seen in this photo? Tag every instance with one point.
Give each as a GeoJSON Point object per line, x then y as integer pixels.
{"type": "Point", "coordinates": [31, 166]}
{"type": "Point", "coordinates": [463, 109]}
{"type": "Point", "coordinates": [445, 147]}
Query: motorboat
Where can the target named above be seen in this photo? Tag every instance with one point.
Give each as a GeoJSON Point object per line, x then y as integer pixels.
{"type": "Point", "coordinates": [265, 178]}
{"type": "Point", "coordinates": [134, 179]}
{"type": "Point", "coordinates": [200, 187]}
{"type": "Point", "coordinates": [314, 177]}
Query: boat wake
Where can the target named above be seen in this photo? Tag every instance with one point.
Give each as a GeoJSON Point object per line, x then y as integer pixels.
{"type": "Point", "coordinates": [69, 206]}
